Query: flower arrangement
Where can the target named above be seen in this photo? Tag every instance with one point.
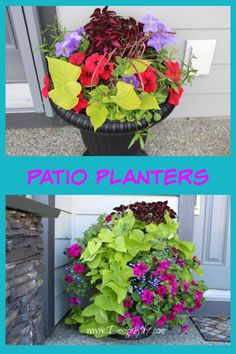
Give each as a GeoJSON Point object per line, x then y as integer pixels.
{"type": "Point", "coordinates": [114, 69]}
{"type": "Point", "coordinates": [141, 271]}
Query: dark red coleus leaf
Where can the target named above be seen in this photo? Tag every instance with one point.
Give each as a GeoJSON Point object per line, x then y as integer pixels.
{"type": "Point", "coordinates": [148, 212]}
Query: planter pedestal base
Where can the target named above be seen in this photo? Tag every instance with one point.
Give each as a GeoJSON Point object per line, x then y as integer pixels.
{"type": "Point", "coordinates": [142, 153]}
{"type": "Point", "coordinates": [113, 137]}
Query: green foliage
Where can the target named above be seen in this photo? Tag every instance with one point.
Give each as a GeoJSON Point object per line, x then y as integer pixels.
{"type": "Point", "coordinates": [56, 34]}
{"type": "Point", "coordinates": [121, 103]}
{"type": "Point", "coordinates": [120, 68]}
{"type": "Point", "coordinates": [66, 88]}
{"type": "Point", "coordinates": [84, 45]}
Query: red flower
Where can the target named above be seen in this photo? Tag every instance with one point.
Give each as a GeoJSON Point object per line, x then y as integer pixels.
{"type": "Point", "coordinates": [154, 259]}
{"type": "Point", "coordinates": [174, 96]}
{"type": "Point", "coordinates": [82, 104]}
{"type": "Point", "coordinates": [108, 218]}
{"type": "Point", "coordinates": [46, 86]}
{"type": "Point", "coordinates": [173, 71]}
{"type": "Point", "coordinates": [76, 58]}
{"type": "Point", "coordinates": [106, 73]}
{"type": "Point", "coordinates": [149, 80]}
{"type": "Point", "coordinates": [86, 76]}
{"type": "Point", "coordinates": [96, 62]}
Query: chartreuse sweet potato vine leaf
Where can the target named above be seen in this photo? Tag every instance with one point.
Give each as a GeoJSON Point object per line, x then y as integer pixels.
{"type": "Point", "coordinates": [98, 113]}
{"type": "Point", "coordinates": [126, 96]}
{"type": "Point", "coordinates": [135, 65]}
{"type": "Point", "coordinates": [148, 102]}
{"type": "Point", "coordinates": [64, 77]}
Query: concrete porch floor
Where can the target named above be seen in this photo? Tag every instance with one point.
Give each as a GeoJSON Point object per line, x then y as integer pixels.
{"type": "Point", "coordinates": [66, 335]}
{"type": "Point", "coordinates": [173, 137]}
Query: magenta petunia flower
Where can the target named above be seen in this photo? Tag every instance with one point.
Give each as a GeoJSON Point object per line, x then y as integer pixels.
{"type": "Point", "coordinates": [184, 328]}
{"type": "Point", "coordinates": [128, 302]}
{"type": "Point", "coordinates": [198, 294]}
{"type": "Point", "coordinates": [74, 251]}
{"type": "Point", "coordinates": [171, 316]}
{"type": "Point", "coordinates": [79, 268]}
{"type": "Point", "coordinates": [170, 277]}
{"type": "Point", "coordinates": [120, 319]}
{"type": "Point", "coordinates": [190, 310]}
{"type": "Point", "coordinates": [164, 264]}
{"type": "Point", "coordinates": [162, 321]}
{"type": "Point", "coordinates": [68, 279]}
{"type": "Point", "coordinates": [74, 301]}
{"type": "Point", "coordinates": [147, 297]}
{"type": "Point", "coordinates": [198, 304]}
{"type": "Point", "coordinates": [178, 307]}
{"type": "Point", "coordinates": [174, 287]}
{"type": "Point", "coordinates": [186, 286]}
{"type": "Point", "coordinates": [158, 271]}
{"type": "Point", "coordinates": [180, 262]}
{"type": "Point", "coordinates": [162, 290]}
{"type": "Point", "coordinates": [133, 332]}
{"type": "Point", "coordinates": [140, 269]}
{"type": "Point", "coordinates": [136, 322]}
{"type": "Point", "coordinates": [194, 282]}
{"type": "Point", "coordinates": [127, 315]}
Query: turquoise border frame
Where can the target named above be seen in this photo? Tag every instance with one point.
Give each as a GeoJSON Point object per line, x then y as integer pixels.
{"type": "Point", "coordinates": [13, 177]}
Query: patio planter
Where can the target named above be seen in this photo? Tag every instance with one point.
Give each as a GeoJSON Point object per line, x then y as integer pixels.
{"type": "Point", "coordinates": [142, 275]}
{"type": "Point", "coordinates": [113, 137]}
{"type": "Point", "coordinates": [114, 80]}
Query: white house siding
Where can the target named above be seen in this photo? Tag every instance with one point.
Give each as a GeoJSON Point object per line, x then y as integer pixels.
{"type": "Point", "coordinates": [63, 234]}
{"type": "Point", "coordinates": [209, 95]}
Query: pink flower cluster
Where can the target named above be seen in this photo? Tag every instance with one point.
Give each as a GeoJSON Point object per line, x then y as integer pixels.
{"type": "Point", "coordinates": [140, 269]}
{"type": "Point", "coordinates": [74, 251]}
{"type": "Point", "coordinates": [79, 268]}
{"type": "Point", "coordinates": [147, 297]}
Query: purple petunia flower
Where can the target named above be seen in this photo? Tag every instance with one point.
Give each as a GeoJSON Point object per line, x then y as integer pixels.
{"type": "Point", "coordinates": [150, 23]}
{"type": "Point", "coordinates": [161, 37]}
{"type": "Point", "coordinates": [80, 30]}
{"type": "Point", "coordinates": [68, 45]}
{"type": "Point", "coordinates": [132, 79]}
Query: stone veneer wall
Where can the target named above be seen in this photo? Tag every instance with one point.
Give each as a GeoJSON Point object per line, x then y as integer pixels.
{"type": "Point", "coordinates": [24, 267]}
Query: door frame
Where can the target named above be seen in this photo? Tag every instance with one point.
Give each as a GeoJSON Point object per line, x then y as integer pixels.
{"type": "Point", "coordinates": [26, 22]}
{"type": "Point", "coordinates": [218, 301]}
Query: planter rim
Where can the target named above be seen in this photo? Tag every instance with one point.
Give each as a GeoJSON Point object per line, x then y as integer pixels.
{"type": "Point", "coordinates": [82, 121]}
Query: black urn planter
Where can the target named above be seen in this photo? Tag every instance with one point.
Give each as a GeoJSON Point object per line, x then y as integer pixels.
{"type": "Point", "coordinates": [113, 137]}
